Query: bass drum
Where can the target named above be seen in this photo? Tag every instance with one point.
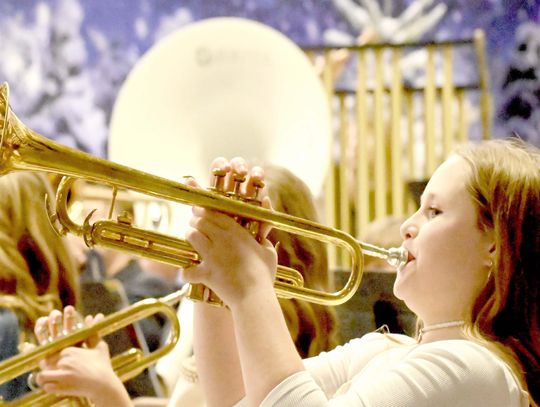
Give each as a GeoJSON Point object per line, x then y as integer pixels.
{"type": "Point", "coordinates": [222, 87]}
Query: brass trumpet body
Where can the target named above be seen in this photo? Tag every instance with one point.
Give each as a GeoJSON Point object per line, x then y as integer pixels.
{"type": "Point", "coordinates": [23, 149]}
{"type": "Point", "coordinates": [127, 365]}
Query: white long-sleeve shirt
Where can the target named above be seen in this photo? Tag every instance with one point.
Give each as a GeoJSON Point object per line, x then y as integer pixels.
{"type": "Point", "coordinates": [376, 371]}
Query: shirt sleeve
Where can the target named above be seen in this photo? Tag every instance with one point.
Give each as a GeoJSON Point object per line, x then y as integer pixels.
{"type": "Point", "coordinates": [446, 373]}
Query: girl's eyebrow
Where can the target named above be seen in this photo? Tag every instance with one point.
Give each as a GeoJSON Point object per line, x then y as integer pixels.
{"type": "Point", "coordinates": [425, 197]}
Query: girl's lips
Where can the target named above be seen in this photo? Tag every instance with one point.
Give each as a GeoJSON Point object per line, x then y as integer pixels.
{"type": "Point", "coordinates": [410, 258]}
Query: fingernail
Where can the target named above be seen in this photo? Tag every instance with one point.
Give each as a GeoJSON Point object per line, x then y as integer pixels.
{"type": "Point", "coordinates": [42, 333]}
{"type": "Point", "coordinates": [58, 327]}
{"type": "Point", "coordinates": [73, 322]}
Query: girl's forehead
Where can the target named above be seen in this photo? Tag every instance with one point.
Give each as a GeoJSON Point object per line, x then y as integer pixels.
{"type": "Point", "coordinates": [449, 177]}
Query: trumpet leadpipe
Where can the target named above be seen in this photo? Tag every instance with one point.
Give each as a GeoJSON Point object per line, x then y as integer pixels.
{"type": "Point", "coordinates": [395, 256]}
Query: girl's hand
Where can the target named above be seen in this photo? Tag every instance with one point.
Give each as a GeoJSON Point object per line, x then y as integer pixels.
{"type": "Point", "coordinates": [76, 371]}
{"type": "Point", "coordinates": [79, 372]}
{"type": "Point", "coordinates": [234, 264]}
{"type": "Point", "coordinates": [58, 324]}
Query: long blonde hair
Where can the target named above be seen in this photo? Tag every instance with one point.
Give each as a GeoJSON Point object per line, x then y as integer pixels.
{"type": "Point", "coordinates": [505, 185]}
{"type": "Point", "coordinates": [314, 328]}
{"type": "Point", "coordinates": [35, 265]}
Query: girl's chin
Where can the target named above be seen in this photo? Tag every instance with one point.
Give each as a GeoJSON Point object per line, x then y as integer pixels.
{"type": "Point", "coordinates": [401, 277]}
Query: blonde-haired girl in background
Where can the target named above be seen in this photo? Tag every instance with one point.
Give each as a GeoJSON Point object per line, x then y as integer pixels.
{"type": "Point", "coordinates": [37, 271]}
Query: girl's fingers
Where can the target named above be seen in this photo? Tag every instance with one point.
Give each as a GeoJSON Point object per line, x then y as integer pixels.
{"type": "Point", "coordinates": [103, 347]}
{"type": "Point", "coordinates": [199, 240]}
{"type": "Point", "coordinates": [265, 228]}
{"type": "Point", "coordinates": [47, 329]}
{"type": "Point", "coordinates": [41, 330]}
{"type": "Point", "coordinates": [204, 221]}
{"type": "Point", "coordinates": [190, 181]}
{"type": "Point", "coordinates": [72, 319]}
{"type": "Point", "coordinates": [53, 381]}
{"type": "Point", "coordinates": [195, 274]}
{"type": "Point", "coordinates": [255, 183]}
{"type": "Point", "coordinates": [211, 222]}
{"type": "Point", "coordinates": [57, 382]}
{"type": "Point", "coordinates": [48, 376]}
{"type": "Point", "coordinates": [58, 388]}
{"type": "Point", "coordinates": [93, 340]}
{"type": "Point", "coordinates": [56, 324]}
{"type": "Point", "coordinates": [88, 320]}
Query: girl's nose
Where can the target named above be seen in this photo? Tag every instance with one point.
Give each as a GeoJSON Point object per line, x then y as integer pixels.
{"type": "Point", "coordinates": [408, 229]}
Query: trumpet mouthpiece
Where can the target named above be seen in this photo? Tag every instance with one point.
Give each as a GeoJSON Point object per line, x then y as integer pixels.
{"type": "Point", "coordinates": [397, 257]}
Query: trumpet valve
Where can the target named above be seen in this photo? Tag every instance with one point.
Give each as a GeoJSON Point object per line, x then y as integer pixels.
{"type": "Point", "coordinates": [238, 179]}
{"type": "Point", "coordinates": [258, 185]}
{"type": "Point", "coordinates": [219, 180]}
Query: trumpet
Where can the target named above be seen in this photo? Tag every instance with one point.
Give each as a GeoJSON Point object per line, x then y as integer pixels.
{"type": "Point", "coordinates": [24, 149]}
{"type": "Point", "coordinates": [126, 365]}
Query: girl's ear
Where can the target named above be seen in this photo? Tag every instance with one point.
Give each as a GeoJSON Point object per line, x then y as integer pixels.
{"type": "Point", "coordinates": [490, 234]}
{"type": "Point", "coordinates": [489, 239]}
{"type": "Point", "coordinates": [490, 248]}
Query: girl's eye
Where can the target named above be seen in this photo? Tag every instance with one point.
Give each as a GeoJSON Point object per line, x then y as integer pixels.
{"type": "Point", "coordinates": [433, 211]}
